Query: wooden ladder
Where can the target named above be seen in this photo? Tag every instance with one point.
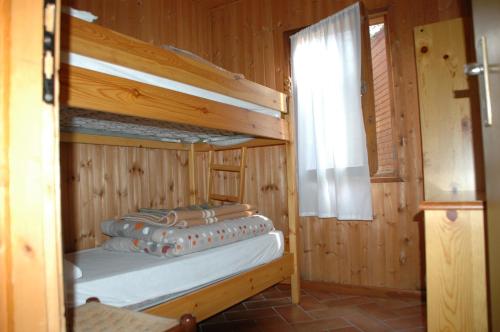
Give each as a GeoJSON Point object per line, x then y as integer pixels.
{"type": "Point", "coordinates": [227, 168]}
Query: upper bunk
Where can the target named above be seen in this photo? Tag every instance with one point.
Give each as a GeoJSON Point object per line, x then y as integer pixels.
{"type": "Point", "coordinates": [115, 85]}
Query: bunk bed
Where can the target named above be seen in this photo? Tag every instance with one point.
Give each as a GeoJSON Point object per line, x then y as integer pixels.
{"type": "Point", "coordinates": [116, 90]}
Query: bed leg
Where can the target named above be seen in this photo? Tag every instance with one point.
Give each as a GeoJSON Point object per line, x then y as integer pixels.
{"type": "Point", "coordinates": [188, 323]}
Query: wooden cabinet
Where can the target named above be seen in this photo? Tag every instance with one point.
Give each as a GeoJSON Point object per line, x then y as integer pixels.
{"type": "Point", "coordinates": [454, 216]}
{"type": "Point", "coordinates": [455, 264]}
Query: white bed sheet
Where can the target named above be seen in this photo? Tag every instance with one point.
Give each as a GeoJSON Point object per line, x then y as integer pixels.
{"type": "Point", "coordinates": [104, 67]}
{"type": "Point", "coordinates": [137, 280]}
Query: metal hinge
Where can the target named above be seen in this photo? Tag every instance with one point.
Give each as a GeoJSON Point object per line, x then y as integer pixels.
{"type": "Point", "coordinates": [49, 26]}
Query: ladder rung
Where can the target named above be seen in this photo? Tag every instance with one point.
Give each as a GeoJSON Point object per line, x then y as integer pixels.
{"type": "Point", "coordinates": [225, 168]}
{"type": "Point", "coordinates": [225, 198]}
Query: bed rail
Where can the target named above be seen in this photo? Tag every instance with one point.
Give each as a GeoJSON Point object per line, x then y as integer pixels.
{"type": "Point", "coordinates": [83, 88]}
{"type": "Point", "coordinates": [98, 42]}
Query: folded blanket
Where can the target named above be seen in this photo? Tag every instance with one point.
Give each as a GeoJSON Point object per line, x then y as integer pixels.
{"type": "Point", "coordinates": [203, 221]}
{"type": "Point", "coordinates": [182, 241]}
{"type": "Point", "coordinates": [176, 215]}
{"type": "Point", "coordinates": [124, 244]}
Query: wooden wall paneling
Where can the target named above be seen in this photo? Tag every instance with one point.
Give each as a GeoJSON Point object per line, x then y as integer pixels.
{"type": "Point", "coordinates": [102, 182]}
{"type": "Point", "coordinates": [174, 22]}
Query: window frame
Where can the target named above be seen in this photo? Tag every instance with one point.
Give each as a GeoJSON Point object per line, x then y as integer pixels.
{"type": "Point", "coordinates": [377, 17]}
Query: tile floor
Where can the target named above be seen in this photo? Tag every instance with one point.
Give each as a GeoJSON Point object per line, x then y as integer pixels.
{"type": "Point", "coordinates": [272, 311]}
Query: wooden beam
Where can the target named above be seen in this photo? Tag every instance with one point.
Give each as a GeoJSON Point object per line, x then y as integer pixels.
{"type": "Point", "coordinates": [107, 45]}
{"type": "Point", "coordinates": [293, 206]}
{"type": "Point", "coordinates": [215, 298]}
{"type": "Point", "coordinates": [81, 88]}
{"type": "Point", "coordinates": [120, 141]}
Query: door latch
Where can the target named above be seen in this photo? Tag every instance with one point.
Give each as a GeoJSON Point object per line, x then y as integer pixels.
{"type": "Point", "coordinates": [49, 26]}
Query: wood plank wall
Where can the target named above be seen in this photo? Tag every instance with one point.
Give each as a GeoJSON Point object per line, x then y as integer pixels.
{"type": "Point", "coordinates": [247, 36]}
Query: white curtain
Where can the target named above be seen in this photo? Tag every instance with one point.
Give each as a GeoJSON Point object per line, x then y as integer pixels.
{"type": "Point", "coordinates": [333, 173]}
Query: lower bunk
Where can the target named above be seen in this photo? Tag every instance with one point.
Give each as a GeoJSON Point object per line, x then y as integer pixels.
{"type": "Point", "coordinates": [201, 284]}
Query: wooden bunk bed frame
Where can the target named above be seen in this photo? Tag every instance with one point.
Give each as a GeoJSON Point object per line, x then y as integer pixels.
{"type": "Point", "coordinates": [86, 89]}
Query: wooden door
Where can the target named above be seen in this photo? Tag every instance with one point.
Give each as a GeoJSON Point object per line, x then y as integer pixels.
{"type": "Point", "coordinates": [31, 297]}
{"type": "Point", "coordinates": [487, 31]}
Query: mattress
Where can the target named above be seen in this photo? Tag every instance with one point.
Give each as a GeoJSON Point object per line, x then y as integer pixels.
{"type": "Point", "coordinates": [137, 281]}
{"type": "Point", "coordinates": [104, 67]}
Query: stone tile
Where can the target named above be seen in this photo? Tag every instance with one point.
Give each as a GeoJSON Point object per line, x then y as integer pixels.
{"type": "Point", "coordinates": [284, 287]}
{"type": "Point", "coordinates": [348, 301]}
{"type": "Point", "coordinates": [273, 324]}
{"type": "Point", "coordinates": [250, 314]}
{"type": "Point", "coordinates": [320, 325]}
{"type": "Point", "coordinates": [237, 307]}
{"type": "Point", "coordinates": [367, 324]}
{"type": "Point", "coordinates": [216, 318]}
{"type": "Point", "coordinates": [293, 313]}
{"type": "Point", "coordinates": [259, 296]}
{"type": "Point", "coordinates": [321, 296]}
{"type": "Point", "coordinates": [318, 311]}
{"type": "Point", "coordinates": [236, 326]}
{"type": "Point", "coordinates": [346, 329]}
{"type": "Point", "coordinates": [390, 303]}
{"type": "Point", "coordinates": [377, 311]}
{"type": "Point", "coordinates": [334, 312]}
{"type": "Point", "coordinates": [411, 311]}
{"type": "Point", "coordinates": [267, 303]}
{"type": "Point", "coordinates": [275, 294]}
{"type": "Point", "coordinates": [406, 322]}
{"type": "Point", "coordinates": [309, 302]}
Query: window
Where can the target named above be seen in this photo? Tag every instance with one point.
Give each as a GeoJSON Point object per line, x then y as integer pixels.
{"type": "Point", "coordinates": [386, 149]}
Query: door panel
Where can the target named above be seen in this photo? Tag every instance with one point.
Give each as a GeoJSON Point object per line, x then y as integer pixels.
{"type": "Point", "coordinates": [486, 15]}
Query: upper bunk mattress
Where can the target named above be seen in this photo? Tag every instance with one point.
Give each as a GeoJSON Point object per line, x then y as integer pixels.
{"type": "Point", "coordinates": [137, 280]}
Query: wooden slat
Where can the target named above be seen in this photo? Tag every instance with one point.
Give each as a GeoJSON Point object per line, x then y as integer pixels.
{"type": "Point", "coordinates": [225, 168]}
{"type": "Point", "coordinates": [242, 168]}
{"type": "Point", "coordinates": [210, 182]}
{"type": "Point", "coordinates": [81, 88]}
{"type": "Point", "coordinates": [120, 141]}
{"type": "Point", "coordinates": [224, 198]}
{"type": "Point", "coordinates": [224, 294]}
{"type": "Point", "coordinates": [192, 175]}
{"type": "Point", "coordinates": [104, 44]}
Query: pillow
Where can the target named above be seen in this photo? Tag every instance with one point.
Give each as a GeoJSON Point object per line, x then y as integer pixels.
{"type": "Point", "coordinates": [71, 271]}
